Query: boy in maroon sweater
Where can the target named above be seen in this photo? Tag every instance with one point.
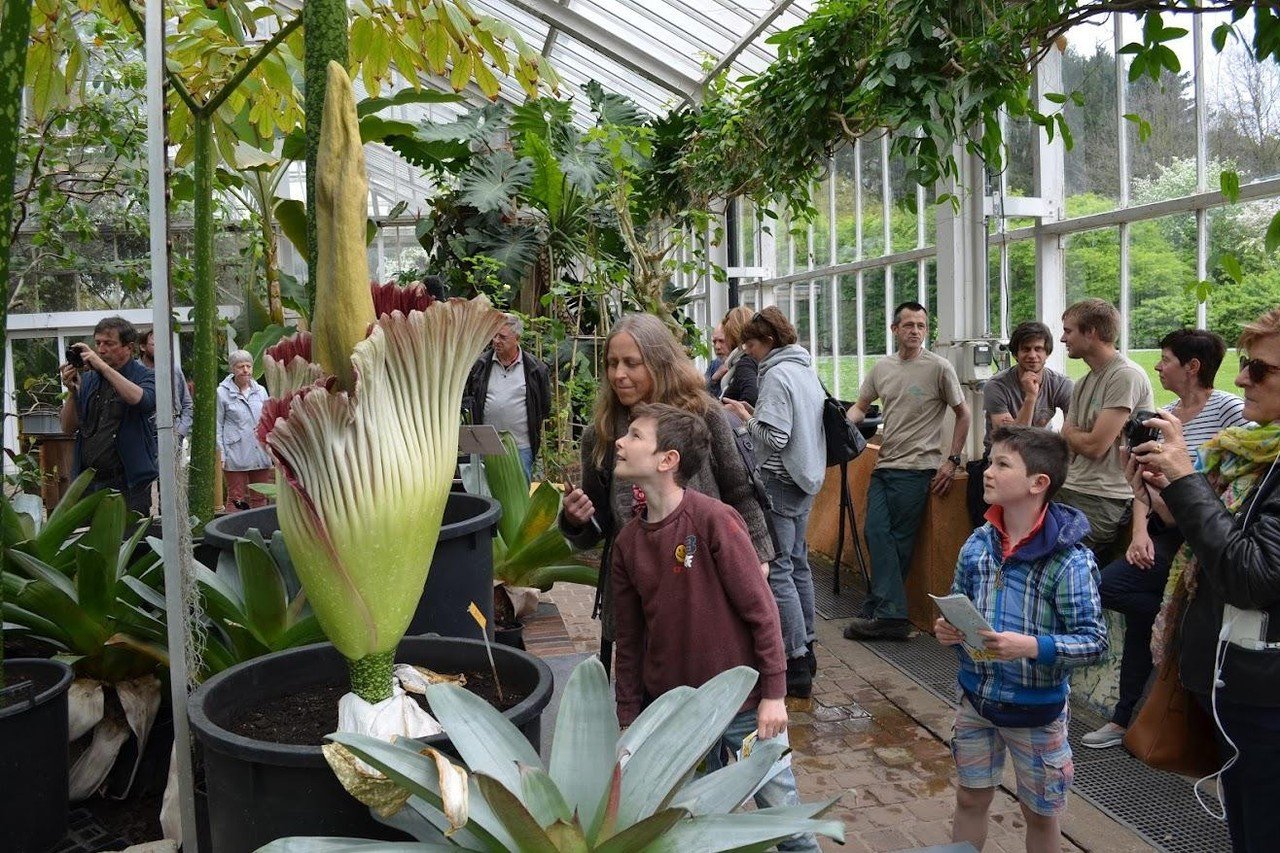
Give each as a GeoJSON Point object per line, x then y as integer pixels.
{"type": "Point", "coordinates": [690, 601]}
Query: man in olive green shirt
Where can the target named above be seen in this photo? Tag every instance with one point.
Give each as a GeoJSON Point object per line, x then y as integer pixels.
{"type": "Point", "coordinates": [1101, 403]}
{"type": "Point", "coordinates": [916, 387]}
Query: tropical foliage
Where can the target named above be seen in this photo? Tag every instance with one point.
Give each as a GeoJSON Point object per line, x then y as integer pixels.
{"type": "Point", "coordinates": [601, 790]}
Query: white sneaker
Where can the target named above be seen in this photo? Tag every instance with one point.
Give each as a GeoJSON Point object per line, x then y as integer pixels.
{"type": "Point", "coordinates": [1108, 736]}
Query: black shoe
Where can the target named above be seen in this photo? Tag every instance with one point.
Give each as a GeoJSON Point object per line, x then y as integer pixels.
{"type": "Point", "coordinates": [799, 679]}
{"type": "Point", "coordinates": [811, 658]}
{"type": "Point", "coordinates": [877, 629]}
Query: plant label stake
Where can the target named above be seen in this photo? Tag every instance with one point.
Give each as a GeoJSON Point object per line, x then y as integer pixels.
{"type": "Point", "coordinates": [480, 620]}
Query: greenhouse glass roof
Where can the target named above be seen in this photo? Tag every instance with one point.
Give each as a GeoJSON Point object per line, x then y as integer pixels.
{"type": "Point", "coordinates": [659, 53]}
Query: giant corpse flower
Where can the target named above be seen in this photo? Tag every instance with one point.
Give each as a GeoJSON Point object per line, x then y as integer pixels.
{"type": "Point", "coordinates": [365, 439]}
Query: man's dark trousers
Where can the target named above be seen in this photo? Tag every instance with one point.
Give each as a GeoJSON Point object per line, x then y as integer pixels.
{"type": "Point", "coordinates": [895, 505]}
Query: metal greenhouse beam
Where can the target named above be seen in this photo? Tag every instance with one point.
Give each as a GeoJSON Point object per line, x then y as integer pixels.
{"type": "Point", "coordinates": [743, 43]}
{"type": "Point", "coordinates": [612, 45]}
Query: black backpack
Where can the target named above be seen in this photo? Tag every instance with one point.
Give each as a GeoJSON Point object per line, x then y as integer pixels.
{"type": "Point", "coordinates": [845, 441]}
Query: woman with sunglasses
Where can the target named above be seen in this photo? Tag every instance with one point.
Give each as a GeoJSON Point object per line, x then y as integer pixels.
{"type": "Point", "coordinates": [645, 364]}
{"type": "Point", "coordinates": [1228, 579]}
{"type": "Point", "coordinates": [786, 424]}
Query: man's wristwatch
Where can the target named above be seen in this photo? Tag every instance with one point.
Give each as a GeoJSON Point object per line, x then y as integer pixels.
{"type": "Point", "coordinates": [954, 459]}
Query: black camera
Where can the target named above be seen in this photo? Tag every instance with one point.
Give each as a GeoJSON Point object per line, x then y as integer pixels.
{"type": "Point", "coordinates": [1135, 432]}
{"type": "Point", "coordinates": [74, 358]}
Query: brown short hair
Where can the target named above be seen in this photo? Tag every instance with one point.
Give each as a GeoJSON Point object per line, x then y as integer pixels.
{"type": "Point", "coordinates": [733, 324]}
{"type": "Point", "coordinates": [1028, 333]}
{"type": "Point", "coordinates": [1263, 327]}
{"type": "Point", "coordinates": [1043, 451]}
{"type": "Point", "coordinates": [679, 430]}
{"type": "Point", "coordinates": [124, 330]}
{"type": "Point", "coordinates": [772, 324]}
{"type": "Point", "coordinates": [1096, 314]}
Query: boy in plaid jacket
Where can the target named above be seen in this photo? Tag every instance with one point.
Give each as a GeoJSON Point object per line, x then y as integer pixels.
{"type": "Point", "coordinates": [1029, 574]}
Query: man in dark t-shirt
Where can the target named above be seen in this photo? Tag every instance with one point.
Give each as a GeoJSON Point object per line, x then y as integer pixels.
{"type": "Point", "coordinates": [109, 408]}
{"type": "Point", "coordinates": [1026, 393]}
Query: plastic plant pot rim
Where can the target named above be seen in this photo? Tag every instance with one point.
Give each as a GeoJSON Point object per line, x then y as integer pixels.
{"type": "Point", "coordinates": [45, 696]}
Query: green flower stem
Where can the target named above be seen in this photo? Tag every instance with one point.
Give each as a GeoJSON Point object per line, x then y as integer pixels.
{"type": "Point", "coordinates": [204, 357]}
{"type": "Point", "coordinates": [371, 676]}
{"type": "Point", "coordinates": [325, 36]}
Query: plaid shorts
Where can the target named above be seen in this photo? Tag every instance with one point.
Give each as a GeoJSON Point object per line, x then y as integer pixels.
{"type": "Point", "coordinates": [1041, 758]}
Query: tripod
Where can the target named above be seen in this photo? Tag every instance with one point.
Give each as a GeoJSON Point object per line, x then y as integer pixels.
{"type": "Point", "coordinates": [847, 514]}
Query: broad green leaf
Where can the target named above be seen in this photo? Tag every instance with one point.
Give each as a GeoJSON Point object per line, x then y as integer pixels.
{"type": "Point", "coordinates": [322, 844]}
{"type": "Point", "coordinates": [95, 584]}
{"type": "Point", "coordinates": [582, 752]}
{"type": "Point", "coordinates": [524, 828]}
{"type": "Point", "coordinates": [652, 718]}
{"type": "Point", "coordinates": [545, 577]}
{"type": "Point", "coordinates": [1231, 266]}
{"type": "Point", "coordinates": [42, 571]}
{"type": "Point", "coordinates": [671, 753]}
{"type": "Point", "coordinates": [370, 105]}
{"type": "Point", "coordinates": [749, 830]}
{"type": "Point", "coordinates": [541, 796]}
{"type": "Point", "coordinates": [550, 547]}
{"type": "Point", "coordinates": [12, 614]}
{"type": "Point", "coordinates": [82, 634]}
{"type": "Point", "coordinates": [540, 515]}
{"type": "Point", "coordinates": [509, 487]}
{"type": "Point", "coordinates": [727, 788]}
{"type": "Point", "coordinates": [148, 594]}
{"type": "Point", "coordinates": [413, 771]}
{"type": "Point", "coordinates": [301, 633]}
{"type": "Point", "coordinates": [264, 593]}
{"type": "Point", "coordinates": [1229, 181]}
{"type": "Point", "coordinates": [1273, 233]}
{"type": "Point", "coordinates": [291, 214]}
{"type": "Point", "coordinates": [488, 742]}
{"type": "Point", "coordinates": [645, 833]}
{"type": "Point", "coordinates": [70, 513]}
{"type": "Point", "coordinates": [493, 183]}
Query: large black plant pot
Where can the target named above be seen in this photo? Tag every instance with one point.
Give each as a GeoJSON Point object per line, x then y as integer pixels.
{"type": "Point", "coordinates": [260, 791]}
{"type": "Point", "coordinates": [33, 756]}
{"type": "Point", "coordinates": [461, 568]}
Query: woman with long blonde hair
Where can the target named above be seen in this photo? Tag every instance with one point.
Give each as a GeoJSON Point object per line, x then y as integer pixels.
{"type": "Point", "coordinates": [645, 364]}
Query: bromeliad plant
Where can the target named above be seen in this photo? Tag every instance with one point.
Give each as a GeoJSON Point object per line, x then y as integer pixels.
{"type": "Point", "coordinates": [601, 791]}
{"type": "Point", "coordinates": [530, 553]}
{"type": "Point", "coordinates": [364, 454]}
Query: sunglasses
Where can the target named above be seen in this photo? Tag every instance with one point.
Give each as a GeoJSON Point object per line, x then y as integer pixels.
{"type": "Point", "coordinates": [1258, 369]}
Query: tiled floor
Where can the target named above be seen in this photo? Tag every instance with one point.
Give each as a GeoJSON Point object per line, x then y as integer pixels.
{"type": "Point", "coordinates": [874, 739]}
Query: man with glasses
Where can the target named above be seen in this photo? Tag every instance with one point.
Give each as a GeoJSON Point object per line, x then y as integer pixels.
{"type": "Point", "coordinates": [511, 390]}
{"type": "Point", "coordinates": [917, 387]}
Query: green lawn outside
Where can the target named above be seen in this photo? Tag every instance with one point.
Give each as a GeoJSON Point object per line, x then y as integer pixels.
{"type": "Point", "coordinates": [1075, 369]}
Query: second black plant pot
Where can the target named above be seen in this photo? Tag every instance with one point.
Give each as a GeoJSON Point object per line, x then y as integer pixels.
{"type": "Point", "coordinates": [260, 791]}
{"type": "Point", "coordinates": [461, 568]}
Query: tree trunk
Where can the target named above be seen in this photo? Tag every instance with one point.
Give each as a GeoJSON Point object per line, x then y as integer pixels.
{"type": "Point", "coordinates": [205, 360]}
{"type": "Point", "coordinates": [15, 31]}
{"type": "Point", "coordinates": [324, 24]}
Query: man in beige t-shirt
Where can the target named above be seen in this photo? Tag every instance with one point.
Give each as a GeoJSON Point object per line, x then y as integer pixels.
{"type": "Point", "coordinates": [916, 387]}
{"type": "Point", "coordinates": [1101, 403]}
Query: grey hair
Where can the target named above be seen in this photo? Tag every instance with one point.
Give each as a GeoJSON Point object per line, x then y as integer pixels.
{"type": "Point", "coordinates": [238, 356]}
{"type": "Point", "coordinates": [516, 324]}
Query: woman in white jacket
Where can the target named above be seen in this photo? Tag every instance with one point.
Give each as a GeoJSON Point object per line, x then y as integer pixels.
{"type": "Point", "coordinates": [244, 460]}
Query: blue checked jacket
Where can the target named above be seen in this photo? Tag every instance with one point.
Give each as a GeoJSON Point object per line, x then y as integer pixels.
{"type": "Point", "coordinates": [1048, 588]}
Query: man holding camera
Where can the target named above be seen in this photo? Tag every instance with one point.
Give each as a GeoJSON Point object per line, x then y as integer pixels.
{"type": "Point", "coordinates": [1102, 402]}
{"type": "Point", "coordinates": [111, 399]}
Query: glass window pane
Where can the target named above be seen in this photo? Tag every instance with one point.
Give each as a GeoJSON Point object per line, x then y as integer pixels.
{"type": "Point", "coordinates": [1243, 107]}
{"type": "Point", "coordinates": [1022, 283]}
{"type": "Point", "coordinates": [1092, 164]}
{"type": "Point", "coordinates": [874, 307]}
{"type": "Point", "coordinates": [1159, 166]}
{"type": "Point", "coordinates": [35, 373]}
{"type": "Point", "coordinates": [1093, 265]}
{"type": "Point", "coordinates": [1235, 229]}
{"type": "Point", "coordinates": [1162, 262]}
{"type": "Point", "coordinates": [872, 205]}
{"type": "Point", "coordinates": [819, 243]}
{"type": "Point", "coordinates": [846, 234]}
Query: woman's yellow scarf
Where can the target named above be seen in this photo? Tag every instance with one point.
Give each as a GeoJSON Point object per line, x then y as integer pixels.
{"type": "Point", "coordinates": [1232, 461]}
